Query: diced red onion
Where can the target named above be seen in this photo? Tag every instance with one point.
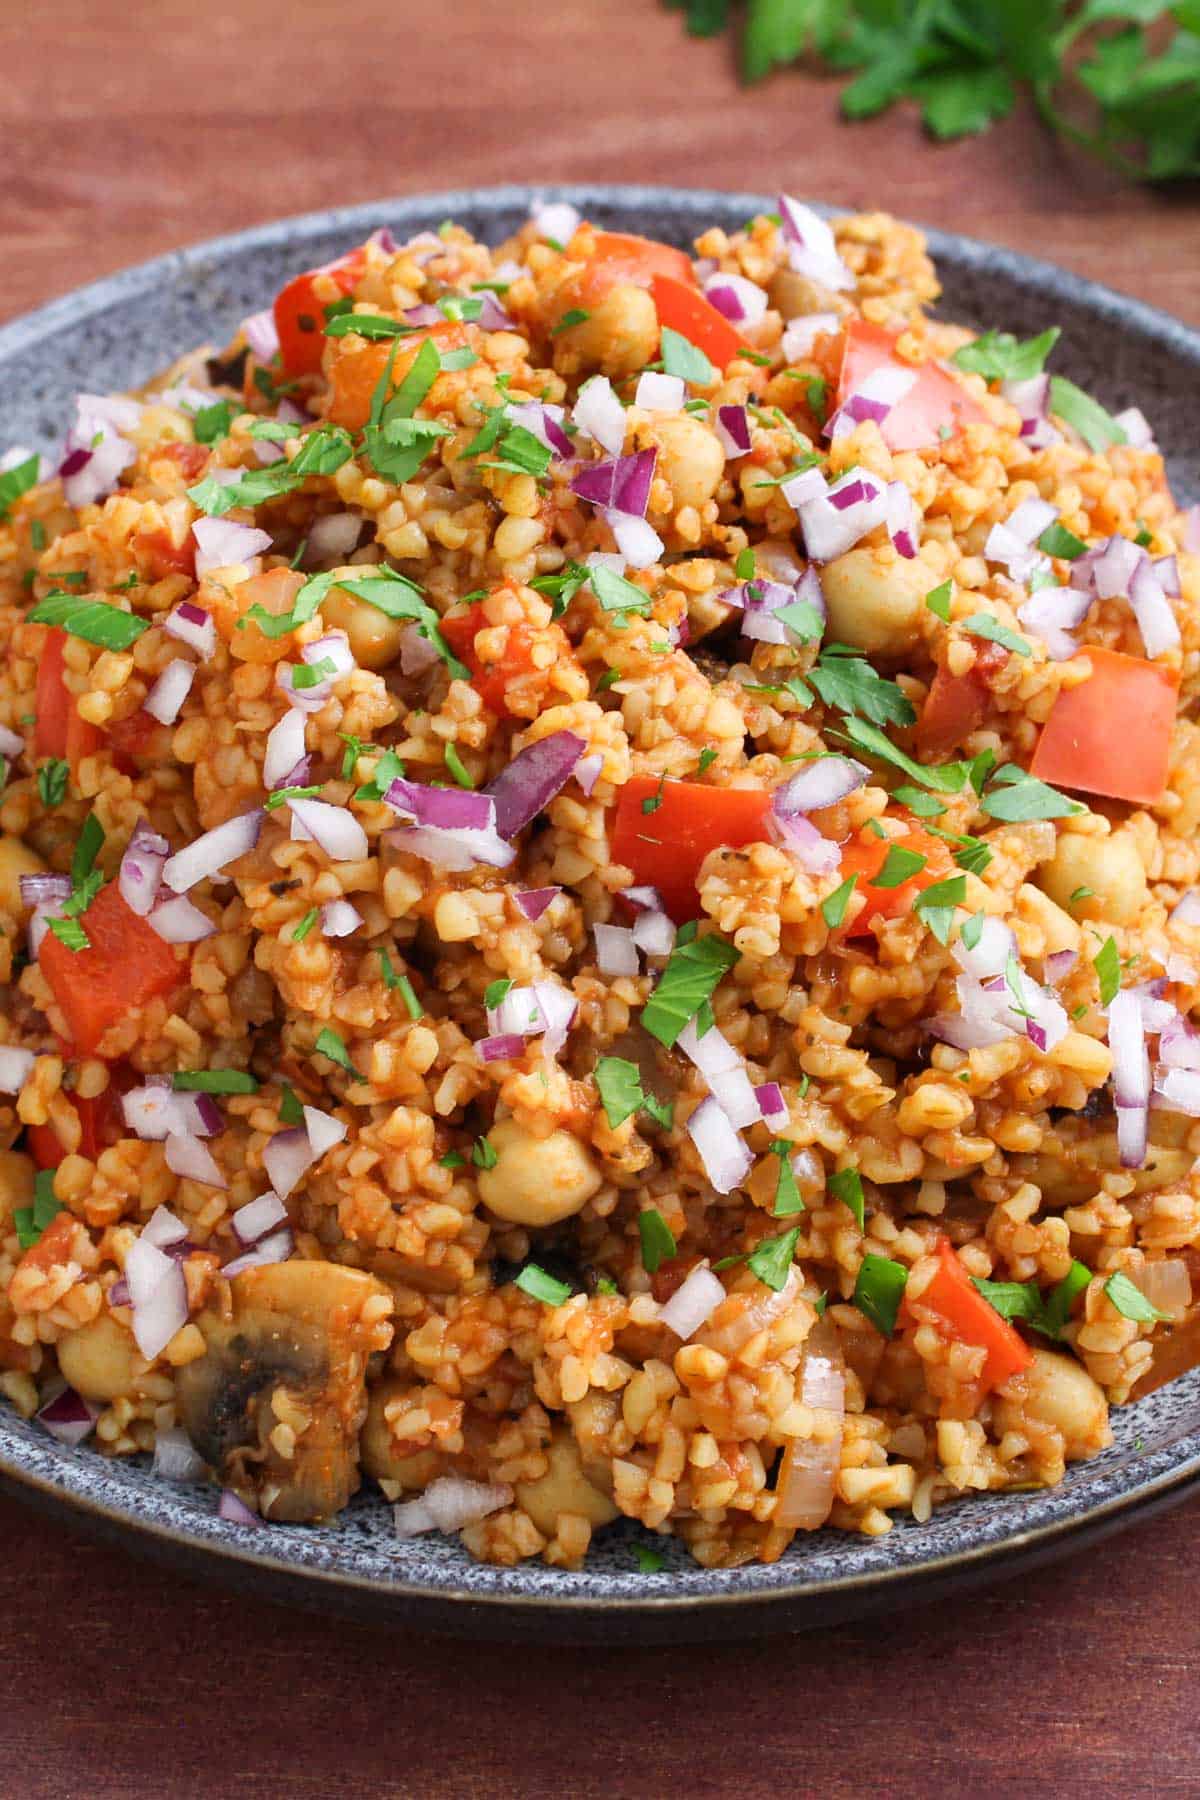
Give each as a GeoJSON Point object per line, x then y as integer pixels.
{"type": "Point", "coordinates": [815, 853]}
{"type": "Point", "coordinates": [1059, 963]}
{"type": "Point", "coordinates": [213, 852]}
{"type": "Point", "coordinates": [285, 748]}
{"type": "Point", "coordinates": [654, 934]}
{"type": "Point", "coordinates": [153, 1112]}
{"type": "Point", "coordinates": [96, 452]}
{"type": "Point", "coordinates": [16, 1066]}
{"type": "Point", "coordinates": [526, 786]}
{"type": "Point", "coordinates": [1030, 519]}
{"type": "Point", "coordinates": [140, 875]}
{"type": "Point", "coordinates": [616, 952]}
{"type": "Point", "coordinates": [339, 918]}
{"type": "Point", "coordinates": [1032, 400]}
{"type": "Point", "coordinates": [1131, 1076]}
{"type": "Point", "coordinates": [179, 922]}
{"type": "Point", "coordinates": [555, 219]}
{"type": "Point", "coordinates": [741, 301]}
{"type": "Point", "coordinates": [963, 1032]}
{"type": "Point", "coordinates": [333, 828]}
{"type": "Point", "coordinates": [176, 1457]}
{"type": "Point", "coordinates": [544, 418]}
{"type": "Point", "coordinates": [1152, 609]}
{"type": "Point", "coordinates": [989, 955]}
{"type": "Point", "coordinates": [733, 429]}
{"type": "Point", "coordinates": [812, 249]}
{"type": "Point", "coordinates": [1166, 573]}
{"type": "Point", "coordinates": [449, 808]}
{"type": "Point", "coordinates": [324, 1131]}
{"type": "Point", "coordinates": [874, 398]}
{"type": "Point", "coordinates": [1113, 569]}
{"type": "Point", "coordinates": [823, 782]}
{"type": "Point", "coordinates": [1179, 1044]}
{"type": "Point", "coordinates": [287, 1158]}
{"type": "Point", "coordinates": [693, 1303]}
{"type": "Point", "coordinates": [333, 647]}
{"type": "Point", "coordinates": [223, 542]}
{"type": "Point", "coordinates": [588, 769]}
{"type": "Point", "coordinates": [726, 1160]}
{"type": "Point", "coordinates": [1157, 1011]}
{"type": "Point", "coordinates": [261, 335]}
{"type": "Point", "coordinates": [833, 522]}
{"type": "Point", "coordinates": [192, 626]}
{"type": "Point", "coordinates": [500, 1049]}
{"type": "Point", "coordinates": [235, 1511]}
{"type": "Point", "coordinates": [724, 1071]}
{"type": "Point", "coordinates": [772, 1105]}
{"type": "Point", "coordinates": [275, 1248]}
{"type": "Point", "coordinates": [190, 1158]}
{"type": "Point", "coordinates": [448, 1504]}
{"type": "Point", "coordinates": [809, 484]}
{"type": "Point", "coordinates": [643, 898]}
{"type": "Point", "coordinates": [43, 890]}
{"type": "Point", "coordinates": [253, 1221]}
{"type": "Point", "coordinates": [802, 333]}
{"type": "Point", "coordinates": [68, 1418]}
{"type": "Point", "coordinates": [546, 1008]}
{"type": "Point", "coordinates": [163, 1228]}
{"type": "Point", "coordinates": [170, 691]}
{"type": "Point", "coordinates": [10, 744]}
{"type": "Point", "coordinates": [618, 484]}
{"type": "Point", "coordinates": [1178, 1090]}
{"type": "Point", "coordinates": [807, 1483]}
{"type": "Point", "coordinates": [1052, 613]}
{"type": "Point", "coordinates": [636, 539]}
{"type": "Point", "coordinates": [660, 393]}
{"type": "Point", "coordinates": [1138, 432]}
{"type": "Point", "coordinates": [902, 519]}
{"type": "Point", "coordinates": [1186, 910]}
{"type": "Point", "coordinates": [1180, 970]}
{"type": "Point", "coordinates": [305, 699]}
{"type": "Point", "coordinates": [600, 414]}
{"type": "Point", "coordinates": [334, 535]}
{"type": "Point", "coordinates": [158, 1295]}
{"type": "Point", "coordinates": [455, 850]}
{"type": "Point", "coordinates": [534, 901]}
{"type": "Point", "coordinates": [1021, 561]}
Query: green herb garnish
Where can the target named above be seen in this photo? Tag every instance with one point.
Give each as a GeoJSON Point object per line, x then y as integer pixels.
{"type": "Point", "coordinates": [693, 970]}
{"type": "Point", "coordinates": [846, 1185]}
{"type": "Point", "coordinates": [95, 621]}
{"type": "Point", "coordinates": [879, 1290]}
{"type": "Point", "coordinates": [539, 1285]}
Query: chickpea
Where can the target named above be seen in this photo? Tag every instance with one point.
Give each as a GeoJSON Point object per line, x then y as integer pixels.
{"type": "Point", "coordinates": [690, 458]}
{"type": "Point", "coordinates": [618, 337]}
{"type": "Point", "coordinates": [593, 1420]}
{"type": "Point", "coordinates": [17, 1175]}
{"type": "Point", "coordinates": [1059, 1393]}
{"type": "Point", "coordinates": [99, 1360]}
{"type": "Point", "coordinates": [380, 1454]}
{"type": "Point", "coordinates": [794, 296]}
{"type": "Point", "coordinates": [374, 638]}
{"type": "Point", "coordinates": [16, 859]}
{"type": "Point", "coordinates": [876, 599]}
{"type": "Point", "coordinates": [537, 1181]}
{"type": "Point", "coordinates": [564, 1488]}
{"type": "Point", "coordinates": [1109, 866]}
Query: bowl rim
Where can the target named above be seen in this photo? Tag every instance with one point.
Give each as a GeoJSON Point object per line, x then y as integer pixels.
{"type": "Point", "coordinates": [454, 1607]}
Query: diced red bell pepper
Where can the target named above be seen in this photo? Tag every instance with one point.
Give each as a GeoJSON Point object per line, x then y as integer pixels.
{"type": "Point", "coordinates": [964, 1315]}
{"type": "Point", "coordinates": [1112, 734]}
{"type": "Point", "coordinates": [664, 843]}
{"type": "Point", "coordinates": [300, 315]}
{"type": "Point", "coordinates": [937, 406]}
{"type": "Point", "coordinates": [491, 679]}
{"type": "Point", "coordinates": [620, 258]}
{"type": "Point", "coordinates": [864, 856]}
{"type": "Point", "coordinates": [686, 311]}
{"type": "Point", "coordinates": [58, 730]}
{"type": "Point", "coordinates": [100, 1124]}
{"type": "Point", "coordinates": [956, 705]}
{"type": "Point", "coordinates": [125, 966]}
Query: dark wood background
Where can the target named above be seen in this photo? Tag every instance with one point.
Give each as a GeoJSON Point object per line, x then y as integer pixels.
{"type": "Point", "coordinates": [128, 128]}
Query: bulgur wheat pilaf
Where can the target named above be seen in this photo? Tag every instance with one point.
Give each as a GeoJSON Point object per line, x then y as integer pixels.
{"type": "Point", "coordinates": [600, 899]}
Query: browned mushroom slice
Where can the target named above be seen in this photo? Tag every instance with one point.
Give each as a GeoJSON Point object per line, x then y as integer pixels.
{"type": "Point", "coordinates": [277, 1402]}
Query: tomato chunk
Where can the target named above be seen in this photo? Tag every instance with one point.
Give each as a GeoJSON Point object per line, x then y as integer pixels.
{"type": "Point", "coordinates": [491, 679]}
{"type": "Point", "coordinates": [300, 316]}
{"type": "Point", "coordinates": [666, 845]}
{"type": "Point", "coordinates": [865, 855]}
{"type": "Point", "coordinates": [964, 1315]}
{"type": "Point", "coordinates": [100, 1124]}
{"type": "Point", "coordinates": [619, 258]}
{"type": "Point", "coordinates": [125, 966]}
{"type": "Point", "coordinates": [59, 731]}
{"type": "Point", "coordinates": [934, 407]}
{"type": "Point", "coordinates": [1112, 734]}
{"type": "Point", "coordinates": [686, 311]}
{"type": "Point", "coordinates": [956, 705]}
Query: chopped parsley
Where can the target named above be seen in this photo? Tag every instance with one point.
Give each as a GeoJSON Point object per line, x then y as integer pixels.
{"type": "Point", "coordinates": [1056, 540]}
{"type": "Point", "coordinates": [1130, 1301]}
{"type": "Point", "coordinates": [1024, 1300]}
{"type": "Point", "coordinates": [649, 1561]}
{"type": "Point", "coordinates": [453, 1159]}
{"type": "Point", "coordinates": [787, 1194]}
{"type": "Point", "coordinates": [17, 481]}
{"type": "Point", "coordinates": [95, 621]}
{"type": "Point", "coordinates": [280, 796]}
{"type": "Point", "coordinates": [833, 906]}
{"type": "Point", "coordinates": [681, 357]}
{"type": "Point", "coordinates": [936, 905]}
{"type": "Point", "coordinates": [771, 1260]}
{"type": "Point", "coordinates": [483, 1154]}
{"type": "Point", "coordinates": [1025, 797]}
{"type": "Point", "coordinates": [938, 600]}
{"type": "Point", "coordinates": [846, 680]}
{"type": "Point", "coordinates": [1097, 428]}
{"type": "Point", "coordinates": [620, 1085]}
{"type": "Point", "coordinates": [520, 452]}
{"type": "Point", "coordinates": [707, 758]}
{"type": "Point", "coordinates": [52, 781]}
{"type": "Point", "coordinates": [846, 1185]}
{"type": "Point", "coordinates": [802, 619]}
{"type": "Point", "coordinates": [653, 801]}
{"type": "Point", "coordinates": [693, 970]}
{"type": "Point", "coordinates": [457, 767]}
{"type": "Point", "coordinates": [658, 1241]}
{"type": "Point", "coordinates": [575, 315]}
{"type": "Point", "coordinates": [408, 994]}
{"type": "Point", "coordinates": [998, 356]}
{"type": "Point", "coordinates": [538, 1284]}
{"type": "Point", "coordinates": [212, 423]}
{"type": "Point", "coordinates": [1081, 893]}
{"type": "Point", "coordinates": [330, 1044]}
{"type": "Point", "coordinates": [31, 1221]}
{"type": "Point", "coordinates": [304, 926]}
{"type": "Point", "coordinates": [253, 487]}
{"type": "Point", "coordinates": [70, 933]}
{"type": "Point", "coordinates": [1107, 964]}
{"type": "Point", "coordinates": [290, 1110]}
{"type": "Point", "coordinates": [985, 625]}
{"type": "Point", "coordinates": [615, 594]}
{"type": "Point", "coordinates": [213, 1081]}
{"type": "Point", "coordinates": [373, 326]}
{"type": "Point", "coordinates": [743, 564]}
{"type": "Point", "coordinates": [879, 1290]}
{"type": "Point", "coordinates": [944, 778]}
{"type": "Point", "coordinates": [496, 992]}
{"type": "Point", "coordinates": [899, 866]}
{"type": "Point", "coordinates": [561, 589]}
{"type": "Point", "coordinates": [389, 768]}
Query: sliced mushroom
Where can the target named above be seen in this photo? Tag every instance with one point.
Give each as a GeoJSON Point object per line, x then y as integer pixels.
{"type": "Point", "coordinates": [277, 1402]}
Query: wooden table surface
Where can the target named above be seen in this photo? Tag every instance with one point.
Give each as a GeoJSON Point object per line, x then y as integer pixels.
{"type": "Point", "coordinates": [129, 129]}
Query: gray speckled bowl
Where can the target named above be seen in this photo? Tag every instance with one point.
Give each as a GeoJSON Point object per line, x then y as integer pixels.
{"type": "Point", "coordinates": [119, 331]}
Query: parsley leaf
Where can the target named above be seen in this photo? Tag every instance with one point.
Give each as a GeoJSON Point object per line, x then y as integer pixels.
{"type": "Point", "coordinates": [615, 594]}
{"type": "Point", "coordinates": [681, 357]}
{"type": "Point", "coordinates": [330, 1044]}
{"type": "Point", "coordinates": [693, 970]}
{"type": "Point", "coordinates": [373, 326]}
{"type": "Point", "coordinates": [851, 684]}
{"type": "Point", "coordinates": [846, 1185]}
{"type": "Point", "coordinates": [833, 906]}
{"type": "Point", "coordinates": [1097, 428]}
{"type": "Point", "coordinates": [213, 1081]}
{"type": "Point", "coordinates": [899, 865]}
{"type": "Point", "coordinates": [998, 356]}
{"type": "Point", "coordinates": [985, 625]}
{"type": "Point", "coordinates": [212, 423]}
{"type": "Point", "coordinates": [1056, 540]}
{"type": "Point", "coordinates": [1107, 964]}
{"type": "Point", "coordinates": [620, 1085]}
{"type": "Point", "coordinates": [787, 1193]}
{"type": "Point", "coordinates": [938, 600]}
{"type": "Point", "coordinates": [944, 778]}
{"type": "Point", "coordinates": [17, 481]}
{"type": "Point", "coordinates": [1130, 1301]}
{"type": "Point", "coordinates": [658, 1241]}
{"type": "Point", "coordinates": [879, 1289]}
{"type": "Point", "coordinates": [936, 905]}
{"type": "Point", "coordinates": [290, 1110]}
{"type": "Point", "coordinates": [1016, 796]}
{"type": "Point", "coordinates": [95, 621]}
{"type": "Point", "coordinates": [52, 781]}
{"type": "Point", "coordinates": [771, 1261]}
